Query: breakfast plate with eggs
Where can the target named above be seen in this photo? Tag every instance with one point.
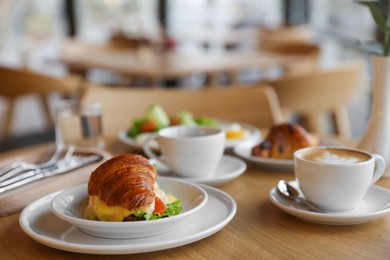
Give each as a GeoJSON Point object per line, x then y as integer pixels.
{"type": "Point", "coordinates": [237, 133]}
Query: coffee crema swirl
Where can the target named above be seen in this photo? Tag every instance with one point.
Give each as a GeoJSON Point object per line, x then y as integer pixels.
{"type": "Point", "coordinates": [335, 156]}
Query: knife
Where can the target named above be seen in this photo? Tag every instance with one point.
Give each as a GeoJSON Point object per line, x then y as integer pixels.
{"type": "Point", "coordinates": [62, 166]}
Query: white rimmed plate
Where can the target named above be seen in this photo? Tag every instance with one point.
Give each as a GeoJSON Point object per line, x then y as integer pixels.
{"type": "Point", "coordinates": [245, 151]}
{"type": "Point", "coordinates": [375, 204]}
{"type": "Point", "coordinates": [70, 205]}
{"type": "Point", "coordinates": [227, 170]}
{"type": "Point", "coordinates": [38, 222]}
{"type": "Point", "coordinates": [252, 136]}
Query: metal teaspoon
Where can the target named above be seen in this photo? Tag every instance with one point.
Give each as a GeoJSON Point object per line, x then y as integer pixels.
{"type": "Point", "coordinates": [289, 192]}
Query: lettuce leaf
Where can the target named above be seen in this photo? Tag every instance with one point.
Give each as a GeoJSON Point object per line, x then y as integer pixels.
{"type": "Point", "coordinates": [134, 130]}
{"type": "Point", "coordinates": [172, 209]}
{"type": "Point", "coordinates": [206, 121]}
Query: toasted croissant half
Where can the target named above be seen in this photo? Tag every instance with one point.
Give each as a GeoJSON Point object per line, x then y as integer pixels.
{"type": "Point", "coordinates": [124, 188]}
{"type": "Point", "coordinates": [283, 140]}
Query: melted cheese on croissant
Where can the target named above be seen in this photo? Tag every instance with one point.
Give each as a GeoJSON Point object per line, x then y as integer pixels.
{"type": "Point", "coordinates": [98, 209]}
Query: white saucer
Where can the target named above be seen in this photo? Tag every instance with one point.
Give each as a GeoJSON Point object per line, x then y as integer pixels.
{"type": "Point", "coordinates": [43, 226]}
{"type": "Point", "coordinates": [375, 204]}
{"type": "Point", "coordinates": [228, 169]}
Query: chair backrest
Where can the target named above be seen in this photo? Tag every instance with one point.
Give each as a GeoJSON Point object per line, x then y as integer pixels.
{"type": "Point", "coordinates": [287, 35]}
{"type": "Point", "coordinates": [253, 105]}
{"type": "Point", "coordinates": [319, 92]}
{"type": "Point", "coordinates": [16, 83]}
{"type": "Point", "coordinates": [309, 63]}
{"type": "Point", "coordinates": [293, 40]}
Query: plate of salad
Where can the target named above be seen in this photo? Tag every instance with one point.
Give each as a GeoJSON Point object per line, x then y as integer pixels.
{"type": "Point", "coordinates": [156, 118]}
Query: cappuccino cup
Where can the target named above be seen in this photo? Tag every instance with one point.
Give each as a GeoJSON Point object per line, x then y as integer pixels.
{"type": "Point", "coordinates": [336, 178]}
{"type": "Point", "coordinates": [188, 151]}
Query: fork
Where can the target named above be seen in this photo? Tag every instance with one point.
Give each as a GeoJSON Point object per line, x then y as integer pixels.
{"type": "Point", "coordinates": [14, 165]}
{"type": "Point", "coordinates": [64, 165]}
{"type": "Point", "coordinates": [17, 167]}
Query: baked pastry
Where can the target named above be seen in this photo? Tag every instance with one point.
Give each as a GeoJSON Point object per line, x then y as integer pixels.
{"type": "Point", "coordinates": [283, 140]}
{"type": "Point", "coordinates": [124, 188]}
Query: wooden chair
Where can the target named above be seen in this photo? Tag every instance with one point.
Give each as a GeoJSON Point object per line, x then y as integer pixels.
{"type": "Point", "coordinates": [285, 35]}
{"type": "Point", "coordinates": [307, 64]}
{"type": "Point", "coordinates": [292, 40]}
{"type": "Point", "coordinates": [253, 105]}
{"type": "Point", "coordinates": [16, 83]}
{"type": "Point", "coordinates": [319, 93]}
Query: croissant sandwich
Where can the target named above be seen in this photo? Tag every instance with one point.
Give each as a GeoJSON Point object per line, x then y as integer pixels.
{"type": "Point", "coordinates": [124, 188]}
{"type": "Point", "coordinates": [283, 140]}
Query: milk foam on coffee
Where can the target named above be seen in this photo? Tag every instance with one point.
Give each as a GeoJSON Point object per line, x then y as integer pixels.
{"type": "Point", "coordinates": [336, 156]}
{"type": "Point", "coordinates": [328, 157]}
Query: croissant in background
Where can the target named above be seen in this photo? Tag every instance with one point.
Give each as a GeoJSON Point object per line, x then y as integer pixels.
{"type": "Point", "coordinates": [283, 140]}
{"type": "Point", "coordinates": [125, 188]}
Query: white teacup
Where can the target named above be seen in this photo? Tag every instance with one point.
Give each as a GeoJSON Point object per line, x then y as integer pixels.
{"type": "Point", "coordinates": [336, 179]}
{"type": "Point", "coordinates": [189, 151]}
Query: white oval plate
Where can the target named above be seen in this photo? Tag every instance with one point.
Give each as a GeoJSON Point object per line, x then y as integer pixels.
{"type": "Point", "coordinates": [253, 136]}
{"type": "Point", "coordinates": [245, 151]}
{"type": "Point", "coordinates": [227, 170]}
{"type": "Point", "coordinates": [375, 204]}
{"type": "Point", "coordinates": [70, 205]}
{"type": "Point", "coordinates": [38, 222]}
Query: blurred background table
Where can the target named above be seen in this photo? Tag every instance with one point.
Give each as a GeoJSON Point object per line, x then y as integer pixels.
{"type": "Point", "coordinates": [156, 66]}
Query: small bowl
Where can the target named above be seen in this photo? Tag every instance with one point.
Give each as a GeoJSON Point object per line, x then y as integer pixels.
{"type": "Point", "coordinates": [71, 203]}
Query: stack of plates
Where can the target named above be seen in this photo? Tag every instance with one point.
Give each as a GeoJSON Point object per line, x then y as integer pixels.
{"type": "Point", "coordinates": [57, 220]}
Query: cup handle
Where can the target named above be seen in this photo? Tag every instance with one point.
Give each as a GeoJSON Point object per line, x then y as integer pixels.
{"type": "Point", "coordinates": [148, 150]}
{"type": "Point", "coordinates": [379, 167]}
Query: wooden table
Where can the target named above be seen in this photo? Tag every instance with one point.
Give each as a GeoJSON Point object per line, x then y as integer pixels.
{"type": "Point", "coordinates": [81, 56]}
{"type": "Point", "coordinates": [258, 231]}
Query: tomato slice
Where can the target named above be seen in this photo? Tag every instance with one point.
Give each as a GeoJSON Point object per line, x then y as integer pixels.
{"type": "Point", "coordinates": [159, 206]}
{"type": "Point", "coordinates": [148, 126]}
{"type": "Point", "coordinates": [174, 121]}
